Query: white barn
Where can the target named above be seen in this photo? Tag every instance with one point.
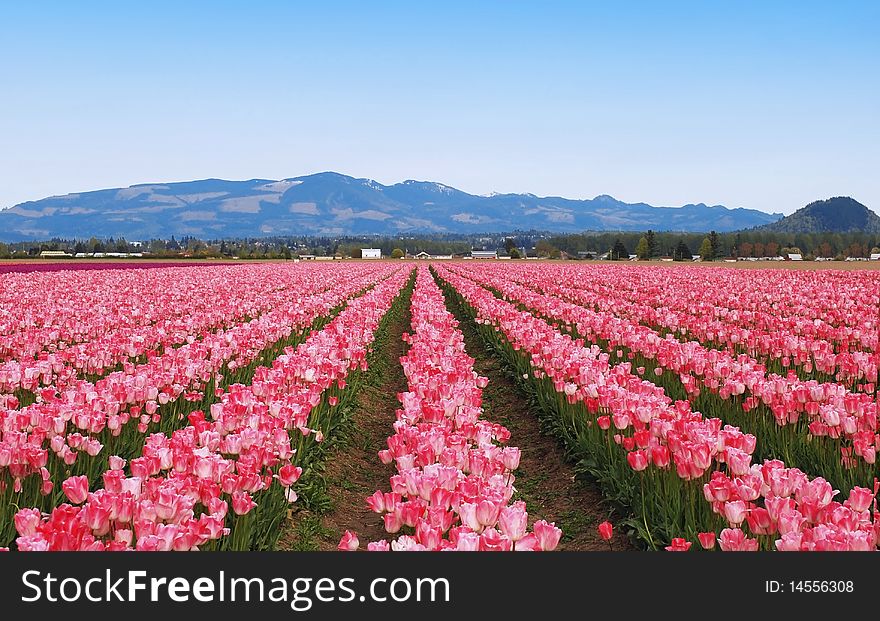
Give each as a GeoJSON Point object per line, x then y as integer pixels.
{"type": "Point", "coordinates": [371, 253]}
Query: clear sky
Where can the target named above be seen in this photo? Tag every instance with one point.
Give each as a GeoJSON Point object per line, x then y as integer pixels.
{"type": "Point", "coordinates": [767, 105]}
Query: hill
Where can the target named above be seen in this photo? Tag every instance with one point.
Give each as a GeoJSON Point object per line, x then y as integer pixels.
{"type": "Point", "coordinates": [334, 204]}
{"type": "Point", "coordinates": [840, 214]}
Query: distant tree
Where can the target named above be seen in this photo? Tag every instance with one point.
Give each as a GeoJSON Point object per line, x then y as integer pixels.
{"type": "Point", "coordinates": [643, 249]}
{"type": "Point", "coordinates": [772, 249]}
{"type": "Point", "coordinates": [744, 249]}
{"type": "Point", "coordinates": [397, 253]}
{"type": "Point", "coordinates": [652, 243]}
{"type": "Point", "coordinates": [545, 249]}
{"type": "Point", "coordinates": [514, 253]}
{"type": "Point", "coordinates": [758, 250]}
{"type": "Point", "coordinates": [619, 251]}
{"type": "Point", "coordinates": [825, 249]}
{"type": "Point", "coordinates": [509, 244]}
{"type": "Point", "coordinates": [715, 245]}
{"type": "Point", "coordinates": [682, 252]}
{"type": "Point", "coordinates": [706, 253]}
{"type": "Point", "coordinates": [857, 250]}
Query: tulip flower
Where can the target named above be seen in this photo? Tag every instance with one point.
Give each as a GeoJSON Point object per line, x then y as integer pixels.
{"type": "Point", "coordinates": [679, 545]}
{"type": "Point", "coordinates": [349, 542]}
{"type": "Point", "coordinates": [707, 540]}
{"type": "Point", "coordinates": [76, 489]}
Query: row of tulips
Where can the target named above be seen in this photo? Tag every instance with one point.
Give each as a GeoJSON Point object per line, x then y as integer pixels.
{"type": "Point", "coordinates": [822, 427]}
{"type": "Point", "coordinates": [234, 296]}
{"type": "Point", "coordinates": [226, 480]}
{"type": "Point", "coordinates": [832, 305]}
{"type": "Point", "coordinates": [782, 344]}
{"type": "Point", "coordinates": [821, 325]}
{"type": "Point", "coordinates": [49, 312]}
{"type": "Point", "coordinates": [72, 432]}
{"type": "Point", "coordinates": [663, 460]}
{"type": "Point", "coordinates": [454, 481]}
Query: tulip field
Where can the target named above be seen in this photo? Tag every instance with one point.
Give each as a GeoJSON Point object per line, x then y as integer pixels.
{"type": "Point", "coordinates": [196, 407]}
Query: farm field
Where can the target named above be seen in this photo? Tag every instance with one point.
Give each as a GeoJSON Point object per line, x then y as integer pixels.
{"type": "Point", "coordinates": [472, 405]}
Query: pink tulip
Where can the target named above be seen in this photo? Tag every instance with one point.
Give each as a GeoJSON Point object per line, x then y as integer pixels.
{"type": "Point", "coordinates": [242, 503]}
{"type": "Point", "coordinates": [289, 474]}
{"type": "Point", "coordinates": [679, 545]}
{"type": "Point", "coordinates": [735, 512]}
{"type": "Point", "coordinates": [76, 489]}
{"type": "Point", "coordinates": [514, 521]}
{"type": "Point", "coordinates": [735, 540]}
{"type": "Point", "coordinates": [548, 535]}
{"type": "Point", "coordinates": [860, 499]}
{"type": "Point", "coordinates": [707, 540]}
{"type": "Point", "coordinates": [349, 542]}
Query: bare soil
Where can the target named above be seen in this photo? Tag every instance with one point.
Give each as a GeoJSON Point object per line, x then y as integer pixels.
{"type": "Point", "coordinates": [353, 470]}
{"type": "Point", "coordinates": [546, 482]}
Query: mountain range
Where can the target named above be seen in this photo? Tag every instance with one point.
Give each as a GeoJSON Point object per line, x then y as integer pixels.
{"type": "Point", "coordinates": [333, 204]}
{"type": "Point", "coordinates": [840, 214]}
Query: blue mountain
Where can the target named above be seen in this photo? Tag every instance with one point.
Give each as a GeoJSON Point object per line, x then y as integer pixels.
{"type": "Point", "coordinates": [334, 204]}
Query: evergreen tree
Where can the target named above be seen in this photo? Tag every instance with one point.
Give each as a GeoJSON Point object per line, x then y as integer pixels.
{"type": "Point", "coordinates": [652, 243]}
{"type": "Point", "coordinates": [619, 251]}
{"type": "Point", "coordinates": [715, 245]}
{"type": "Point", "coordinates": [682, 252]}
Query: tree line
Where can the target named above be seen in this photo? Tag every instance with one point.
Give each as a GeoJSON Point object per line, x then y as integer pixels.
{"type": "Point", "coordinates": [619, 245]}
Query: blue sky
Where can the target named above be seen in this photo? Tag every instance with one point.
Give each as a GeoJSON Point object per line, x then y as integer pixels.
{"type": "Point", "coordinates": [767, 105]}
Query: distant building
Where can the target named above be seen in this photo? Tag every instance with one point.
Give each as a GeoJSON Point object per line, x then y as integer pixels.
{"type": "Point", "coordinates": [54, 254]}
{"type": "Point", "coordinates": [875, 256]}
{"type": "Point", "coordinates": [371, 253]}
{"type": "Point", "coordinates": [484, 254]}
{"type": "Point", "coordinates": [633, 257]}
{"type": "Point", "coordinates": [432, 257]}
{"type": "Point", "coordinates": [307, 257]}
{"type": "Point", "coordinates": [696, 257]}
{"type": "Point", "coordinates": [587, 254]}
{"type": "Point", "coordinates": [106, 255]}
{"type": "Point", "coordinates": [795, 256]}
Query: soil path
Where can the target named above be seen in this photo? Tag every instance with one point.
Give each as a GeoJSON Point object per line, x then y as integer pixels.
{"type": "Point", "coordinates": [353, 470]}
{"type": "Point", "coordinates": [546, 482]}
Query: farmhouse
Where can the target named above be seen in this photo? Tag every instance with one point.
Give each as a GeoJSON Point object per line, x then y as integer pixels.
{"type": "Point", "coordinates": [371, 253]}
{"type": "Point", "coordinates": [433, 257]}
{"type": "Point", "coordinates": [484, 254]}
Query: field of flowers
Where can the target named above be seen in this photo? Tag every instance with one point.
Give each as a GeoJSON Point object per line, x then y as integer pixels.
{"type": "Point", "coordinates": [190, 407]}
